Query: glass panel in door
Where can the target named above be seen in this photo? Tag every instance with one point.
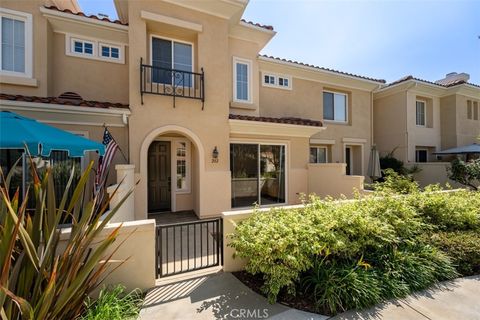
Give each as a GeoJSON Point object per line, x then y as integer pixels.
{"type": "Point", "coordinates": [272, 174]}
{"type": "Point", "coordinates": [244, 170]}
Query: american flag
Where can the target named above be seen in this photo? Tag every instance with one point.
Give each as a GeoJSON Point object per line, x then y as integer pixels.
{"type": "Point", "coordinates": [111, 147]}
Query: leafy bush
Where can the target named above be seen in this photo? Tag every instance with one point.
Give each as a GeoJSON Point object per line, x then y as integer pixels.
{"type": "Point", "coordinates": [43, 277]}
{"type": "Point", "coordinates": [339, 251]}
{"type": "Point", "coordinates": [396, 183]}
{"type": "Point", "coordinates": [462, 246]}
{"type": "Point", "coordinates": [459, 210]}
{"type": "Point", "coordinates": [114, 304]}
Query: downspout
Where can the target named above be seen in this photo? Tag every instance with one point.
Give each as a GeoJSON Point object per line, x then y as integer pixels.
{"type": "Point", "coordinates": [414, 85]}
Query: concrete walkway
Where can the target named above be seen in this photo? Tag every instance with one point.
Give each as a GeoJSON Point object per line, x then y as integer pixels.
{"type": "Point", "coordinates": [452, 300]}
{"type": "Point", "coordinates": [217, 296]}
{"type": "Point", "coordinates": [222, 296]}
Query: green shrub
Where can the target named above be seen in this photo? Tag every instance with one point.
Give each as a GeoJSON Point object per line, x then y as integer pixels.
{"type": "Point", "coordinates": [318, 247]}
{"type": "Point", "coordinates": [114, 304]}
{"type": "Point", "coordinates": [458, 210]}
{"type": "Point", "coordinates": [396, 183]}
{"type": "Point", "coordinates": [462, 246]}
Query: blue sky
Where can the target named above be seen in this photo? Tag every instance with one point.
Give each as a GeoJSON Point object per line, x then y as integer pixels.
{"type": "Point", "coordinates": [382, 39]}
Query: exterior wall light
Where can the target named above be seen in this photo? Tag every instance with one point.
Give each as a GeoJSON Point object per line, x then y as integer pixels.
{"type": "Point", "coordinates": [215, 155]}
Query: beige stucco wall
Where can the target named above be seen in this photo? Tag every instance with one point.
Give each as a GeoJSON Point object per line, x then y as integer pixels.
{"type": "Point", "coordinates": [305, 100]}
{"type": "Point", "coordinates": [136, 252]}
{"type": "Point", "coordinates": [329, 179]}
{"type": "Point", "coordinates": [428, 136]}
{"type": "Point", "coordinates": [390, 124]}
{"type": "Point", "coordinates": [206, 129]}
{"type": "Point", "coordinates": [448, 121]}
{"type": "Point", "coordinates": [41, 51]}
{"type": "Point", "coordinates": [433, 173]}
{"type": "Point", "coordinates": [91, 79]}
{"type": "Point", "coordinates": [56, 72]}
{"type": "Point", "coordinates": [468, 129]}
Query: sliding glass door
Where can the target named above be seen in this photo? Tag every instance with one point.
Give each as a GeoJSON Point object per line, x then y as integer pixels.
{"type": "Point", "coordinates": [258, 174]}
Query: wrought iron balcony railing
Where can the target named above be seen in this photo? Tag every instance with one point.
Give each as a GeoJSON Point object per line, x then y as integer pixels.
{"type": "Point", "coordinates": [172, 82]}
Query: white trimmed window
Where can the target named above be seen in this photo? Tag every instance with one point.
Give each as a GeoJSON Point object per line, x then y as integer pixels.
{"type": "Point", "coordinates": [82, 47]}
{"type": "Point", "coordinates": [276, 81]}
{"type": "Point", "coordinates": [182, 166]}
{"type": "Point", "coordinates": [167, 54]}
{"type": "Point", "coordinates": [469, 109]}
{"type": "Point", "coordinates": [318, 155]}
{"type": "Point", "coordinates": [16, 43]}
{"type": "Point", "coordinates": [335, 106]}
{"type": "Point", "coordinates": [421, 113]}
{"type": "Point", "coordinates": [242, 80]}
{"type": "Point", "coordinates": [108, 51]}
{"type": "Point", "coordinates": [283, 82]}
{"type": "Point", "coordinates": [96, 49]}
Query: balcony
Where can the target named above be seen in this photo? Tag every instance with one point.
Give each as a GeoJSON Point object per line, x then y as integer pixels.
{"type": "Point", "coordinates": [172, 82]}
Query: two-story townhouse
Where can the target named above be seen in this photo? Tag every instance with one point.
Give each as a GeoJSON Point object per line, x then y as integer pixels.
{"type": "Point", "coordinates": [54, 68]}
{"type": "Point", "coordinates": [208, 123]}
{"type": "Point", "coordinates": [418, 118]}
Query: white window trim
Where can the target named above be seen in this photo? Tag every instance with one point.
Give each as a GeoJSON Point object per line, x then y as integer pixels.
{"type": "Point", "coordinates": [346, 108]}
{"type": "Point", "coordinates": [276, 76]}
{"type": "Point", "coordinates": [96, 55]}
{"type": "Point", "coordinates": [173, 62]}
{"type": "Point", "coordinates": [106, 44]}
{"type": "Point", "coordinates": [421, 149]}
{"type": "Point", "coordinates": [249, 77]}
{"type": "Point", "coordinates": [320, 147]}
{"type": "Point", "coordinates": [268, 143]}
{"type": "Point", "coordinates": [424, 113]}
{"type": "Point", "coordinates": [83, 41]}
{"type": "Point", "coordinates": [28, 19]}
{"type": "Point", "coordinates": [188, 180]}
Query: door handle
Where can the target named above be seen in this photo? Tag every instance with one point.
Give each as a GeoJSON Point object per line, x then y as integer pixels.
{"type": "Point", "coordinates": [169, 180]}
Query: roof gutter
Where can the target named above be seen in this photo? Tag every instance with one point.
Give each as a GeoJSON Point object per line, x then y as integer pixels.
{"type": "Point", "coordinates": [315, 69]}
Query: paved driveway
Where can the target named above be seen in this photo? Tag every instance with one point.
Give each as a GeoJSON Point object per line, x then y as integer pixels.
{"type": "Point", "coordinates": [222, 296]}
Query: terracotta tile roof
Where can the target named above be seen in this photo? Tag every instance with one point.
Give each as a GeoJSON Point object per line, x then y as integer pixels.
{"type": "Point", "coordinates": [63, 101]}
{"type": "Point", "coordinates": [323, 68]}
{"type": "Point", "coordinates": [448, 85]}
{"type": "Point", "coordinates": [81, 14]}
{"type": "Point", "coordinates": [258, 25]}
{"type": "Point", "coordinates": [295, 121]}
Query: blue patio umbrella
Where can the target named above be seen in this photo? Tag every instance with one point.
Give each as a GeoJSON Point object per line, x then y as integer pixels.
{"type": "Point", "coordinates": [17, 131]}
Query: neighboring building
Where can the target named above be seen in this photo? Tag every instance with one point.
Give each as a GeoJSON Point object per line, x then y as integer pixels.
{"type": "Point", "coordinates": [418, 118]}
{"type": "Point", "coordinates": [209, 124]}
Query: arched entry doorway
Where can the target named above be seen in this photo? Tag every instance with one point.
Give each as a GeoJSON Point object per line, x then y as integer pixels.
{"type": "Point", "coordinates": [171, 169]}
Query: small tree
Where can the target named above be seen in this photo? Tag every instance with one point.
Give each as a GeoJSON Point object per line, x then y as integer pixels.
{"type": "Point", "coordinates": [465, 173]}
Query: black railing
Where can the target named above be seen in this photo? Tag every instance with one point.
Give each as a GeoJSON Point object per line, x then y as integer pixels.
{"type": "Point", "coordinates": [172, 82]}
{"type": "Point", "coordinates": [189, 246]}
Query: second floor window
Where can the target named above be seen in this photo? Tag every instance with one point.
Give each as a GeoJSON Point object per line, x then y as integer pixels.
{"type": "Point", "coordinates": [420, 113]}
{"type": "Point", "coordinates": [82, 47]}
{"type": "Point", "coordinates": [168, 55]}
{"type": "Point", "coordinates": [16, 42]}
{"type": "Point", "coordinates": [335, 106]}
{"type": "Point", "coordinates": [241, 77]}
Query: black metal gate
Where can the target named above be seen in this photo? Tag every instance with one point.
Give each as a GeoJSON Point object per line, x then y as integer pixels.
{"type": "Point", "coordinates": [189, 246]}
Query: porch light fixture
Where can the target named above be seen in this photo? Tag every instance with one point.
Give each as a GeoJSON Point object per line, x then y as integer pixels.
{"type": "Point", "coordinates": [215, 153]}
